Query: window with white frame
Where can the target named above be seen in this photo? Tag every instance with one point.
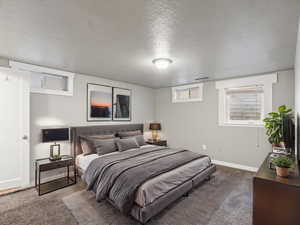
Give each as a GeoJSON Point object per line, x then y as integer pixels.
{"type": "Point", "coordinates": [187, 93]}
{"type": "Point", "coordinates": [44, 80]}
{"type": "Point", "coordinates": [245, 101]}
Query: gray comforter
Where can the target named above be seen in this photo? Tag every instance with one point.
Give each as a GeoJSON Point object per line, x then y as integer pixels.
{"type": "Point", "coordinates": [118, 176]}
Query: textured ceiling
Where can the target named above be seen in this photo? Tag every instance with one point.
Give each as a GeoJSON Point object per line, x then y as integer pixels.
{"type": "Point", "coordinates": [118, 39]}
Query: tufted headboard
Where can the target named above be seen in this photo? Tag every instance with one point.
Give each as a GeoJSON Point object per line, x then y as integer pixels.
{"type": "Point", "coordinates": [76, 132]}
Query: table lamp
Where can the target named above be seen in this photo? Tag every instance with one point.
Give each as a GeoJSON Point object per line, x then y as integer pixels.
{"type": "Point", "coordinates": [155, 127]}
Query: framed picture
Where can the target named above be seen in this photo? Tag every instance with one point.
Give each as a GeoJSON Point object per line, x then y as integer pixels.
{"type": "Point", "coordinates": [99, 102]}
{"type": "Point", "coordinates": [121, 104]}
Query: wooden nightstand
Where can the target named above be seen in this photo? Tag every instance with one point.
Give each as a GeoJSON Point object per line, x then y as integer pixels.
{"type": "Point", "coordinates": [42, 165]}
{"type": "Point", "coordinates": [159, 143]}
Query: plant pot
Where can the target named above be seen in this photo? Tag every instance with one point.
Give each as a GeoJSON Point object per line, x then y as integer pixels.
{"type": "Point", "coordinates": [280, 145]}
{"type": "Point", "coordinates": [282, 171]}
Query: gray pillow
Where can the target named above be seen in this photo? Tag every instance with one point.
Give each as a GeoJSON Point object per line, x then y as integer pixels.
{"type": "Point", "coordinates": [86, 144]}
{"type": "Point", "coordinates": [92, 145]}
{"type": "Point", "coordinates": [100, 136]}
{"type": "Point", "coordinates": [104, 146]}
{"type": "Point", "coordinates": [124, 134]}
{"type": "Point", "coordinates": [139, 139]}
{"type": "Point", "coordinates": [126, 144]}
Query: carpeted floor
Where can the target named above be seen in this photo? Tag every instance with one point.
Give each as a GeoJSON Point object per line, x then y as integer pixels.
{"type": "Point", "coordinates": [225, 200]}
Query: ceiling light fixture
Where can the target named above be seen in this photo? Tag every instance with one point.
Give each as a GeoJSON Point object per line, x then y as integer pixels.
{"type": "Point", "coordinates": [162, 63]}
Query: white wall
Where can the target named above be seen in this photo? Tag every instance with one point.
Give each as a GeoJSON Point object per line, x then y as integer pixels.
{"type": "Point", "coordinates": [190, 125]}
{"type": "Point", "coordinates": [51, 111]}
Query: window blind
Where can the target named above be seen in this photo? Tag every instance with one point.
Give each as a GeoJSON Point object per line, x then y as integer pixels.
{"type": "Point", "coordinates": [245, 103]}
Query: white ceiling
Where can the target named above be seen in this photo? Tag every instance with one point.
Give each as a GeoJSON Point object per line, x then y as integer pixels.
{"type": "Point", "coordinates": [118, 39]}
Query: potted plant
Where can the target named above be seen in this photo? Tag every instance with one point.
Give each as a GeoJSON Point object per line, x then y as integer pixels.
{"type": "Point", "coordinates": [282, 163]}
{"type": "Point", "coordinates": [274, 125]}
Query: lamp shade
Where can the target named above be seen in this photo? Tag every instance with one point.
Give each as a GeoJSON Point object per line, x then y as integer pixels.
{"type": "Point", "coordinates": [58, 134]}
{"type": "Point", "coordinates": [155, 126]}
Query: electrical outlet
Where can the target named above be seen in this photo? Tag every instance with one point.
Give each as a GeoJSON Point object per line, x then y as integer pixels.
{"type": "Point", "coordinates": [204, 147]}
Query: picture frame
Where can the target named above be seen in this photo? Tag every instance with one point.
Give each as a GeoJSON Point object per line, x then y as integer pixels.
{"type": "Point", "coordinates": [121, 104]}
{"type": "Point", "coordinates": [99, 102]}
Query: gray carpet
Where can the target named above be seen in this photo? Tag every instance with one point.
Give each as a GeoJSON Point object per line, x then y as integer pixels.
{"type": "Point", "coordinates": [225, 200]}
{"type": "Point", "coordinates": [27, 208]}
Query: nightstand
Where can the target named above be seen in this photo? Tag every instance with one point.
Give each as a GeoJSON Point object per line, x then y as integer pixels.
{"type": "Point", "coordinates": [42, 165]}
{"type": "Point", "coordinates": [159, 143]}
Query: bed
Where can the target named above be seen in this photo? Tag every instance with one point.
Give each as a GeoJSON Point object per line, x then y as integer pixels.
{"type": "Point", "coordinates": [141, 181]}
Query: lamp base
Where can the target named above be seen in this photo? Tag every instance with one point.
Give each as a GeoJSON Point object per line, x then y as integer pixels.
{"type": "Point", "coordinates": [55, 152]}
{"type": "Point", "coordinates": [155, 136]}
{"type": "Point", "coordinates": [55, 158]}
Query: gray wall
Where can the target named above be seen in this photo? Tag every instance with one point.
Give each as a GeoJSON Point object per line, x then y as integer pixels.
{"type": "Point", "coordinates": [297, 85]}
{"type": "Point", "coordinates": [187, 125]}
{"type": "Point", "coordinates": [4, 62]}
{"type": "Point", "coordinates": [190, 125]}
{"type": "Point", "coordinates": [51, 111]}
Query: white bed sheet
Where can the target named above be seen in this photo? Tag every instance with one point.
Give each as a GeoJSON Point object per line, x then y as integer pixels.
{"type": "Point", "coordinates": [158, 186]}
{"type": "Point", "coordinates": [83, 161]}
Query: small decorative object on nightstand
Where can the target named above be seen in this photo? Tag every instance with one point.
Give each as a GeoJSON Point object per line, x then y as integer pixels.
{"type": "Point", "coordinates": [42, 165]}
{"type": "Point", "coordinates": [159, 143]}
{"type": "Point", "coordinates": [155, 127]}
{"type": "Point", "coordinates": [54, 135]}
{"type": "Point", "coordinates": [282, 165]}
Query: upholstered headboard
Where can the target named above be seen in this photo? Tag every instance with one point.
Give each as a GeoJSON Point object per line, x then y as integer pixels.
{"type": "Point", "coordinates": [76, 132]}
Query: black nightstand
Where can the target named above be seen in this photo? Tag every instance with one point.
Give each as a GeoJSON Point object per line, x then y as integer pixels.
{"type": "Point", "coordinates": [42, 165]}
{"type": "Point", "coordinates": [159, 143]}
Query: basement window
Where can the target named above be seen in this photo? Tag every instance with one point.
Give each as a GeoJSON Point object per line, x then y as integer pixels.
{"type": "Point", "coordinates": [47, 81]}
{"type": "Point", "coordinates": [244, 105]}
{"type": "Point", "coordinates": [187, 93]}
{"type": "Point", "coordinates": [245, 101]}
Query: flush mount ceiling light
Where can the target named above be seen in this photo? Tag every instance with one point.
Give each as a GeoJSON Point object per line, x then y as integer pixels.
{"type": "Point", "coordinates": [162, 63]}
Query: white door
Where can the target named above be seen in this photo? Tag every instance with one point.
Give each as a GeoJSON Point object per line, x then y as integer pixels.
{"type": "Point", "coordinates": [14, 129]}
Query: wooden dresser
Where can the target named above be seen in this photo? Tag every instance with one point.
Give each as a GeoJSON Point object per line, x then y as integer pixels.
{"type": "Point", "coordinates": [276, 201]}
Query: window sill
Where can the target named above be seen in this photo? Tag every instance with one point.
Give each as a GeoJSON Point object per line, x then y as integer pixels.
{"type": "Point", "coordinates": [240, 125]}
{"type": "Point", "coordinates": [188, 100]}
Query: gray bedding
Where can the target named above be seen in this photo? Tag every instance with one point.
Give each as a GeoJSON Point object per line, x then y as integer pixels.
{"type": "Point", "coordinates": [155, 188]}
{"type": "Point", "coordinates": [119, 176]}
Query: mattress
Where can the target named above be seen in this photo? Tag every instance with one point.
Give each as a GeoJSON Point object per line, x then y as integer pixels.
{"type": "Point", "coordinates": [160, 185]}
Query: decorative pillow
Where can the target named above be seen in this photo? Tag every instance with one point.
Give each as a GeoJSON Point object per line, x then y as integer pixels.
{"type": "Point", "coordinates": [99, 144]}
{"type": "Point", "coordinates": [126, 144]}
{"type": "Point", "coordinates": [86, 146]}
{"type": "Point", "coordinates": [123, 134]}
{"type": "Point", "coordinates": [139, 139]}
{"type": "Point", "coordinates": [104, 146]}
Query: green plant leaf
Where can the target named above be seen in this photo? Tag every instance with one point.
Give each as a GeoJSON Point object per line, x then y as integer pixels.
{"type": "Point", "coordinates": [288, 111]}
{"type": "Point", "coordinates": [273, 124]}
{"type": "Point", "coordinates": [281, 108]}
{"type": "Point", "coordinates": [283, 161]}
{"type": "Point", "coordinates": [274, 114]}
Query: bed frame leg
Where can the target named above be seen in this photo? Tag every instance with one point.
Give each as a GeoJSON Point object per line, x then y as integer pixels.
{"type": "Point", "coordinates": [208, 178]}
{"type": "Point", "coordinates": [186, 194]}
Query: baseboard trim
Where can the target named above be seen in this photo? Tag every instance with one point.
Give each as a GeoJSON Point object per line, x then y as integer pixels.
{"type": "Point", "coordinates": [7, 184]}
{"type": "Point", "coordinates": [236, 166]}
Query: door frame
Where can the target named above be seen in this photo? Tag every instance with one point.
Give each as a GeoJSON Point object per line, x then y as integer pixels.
{"type": "Point", "coordinates": [24, 126]}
